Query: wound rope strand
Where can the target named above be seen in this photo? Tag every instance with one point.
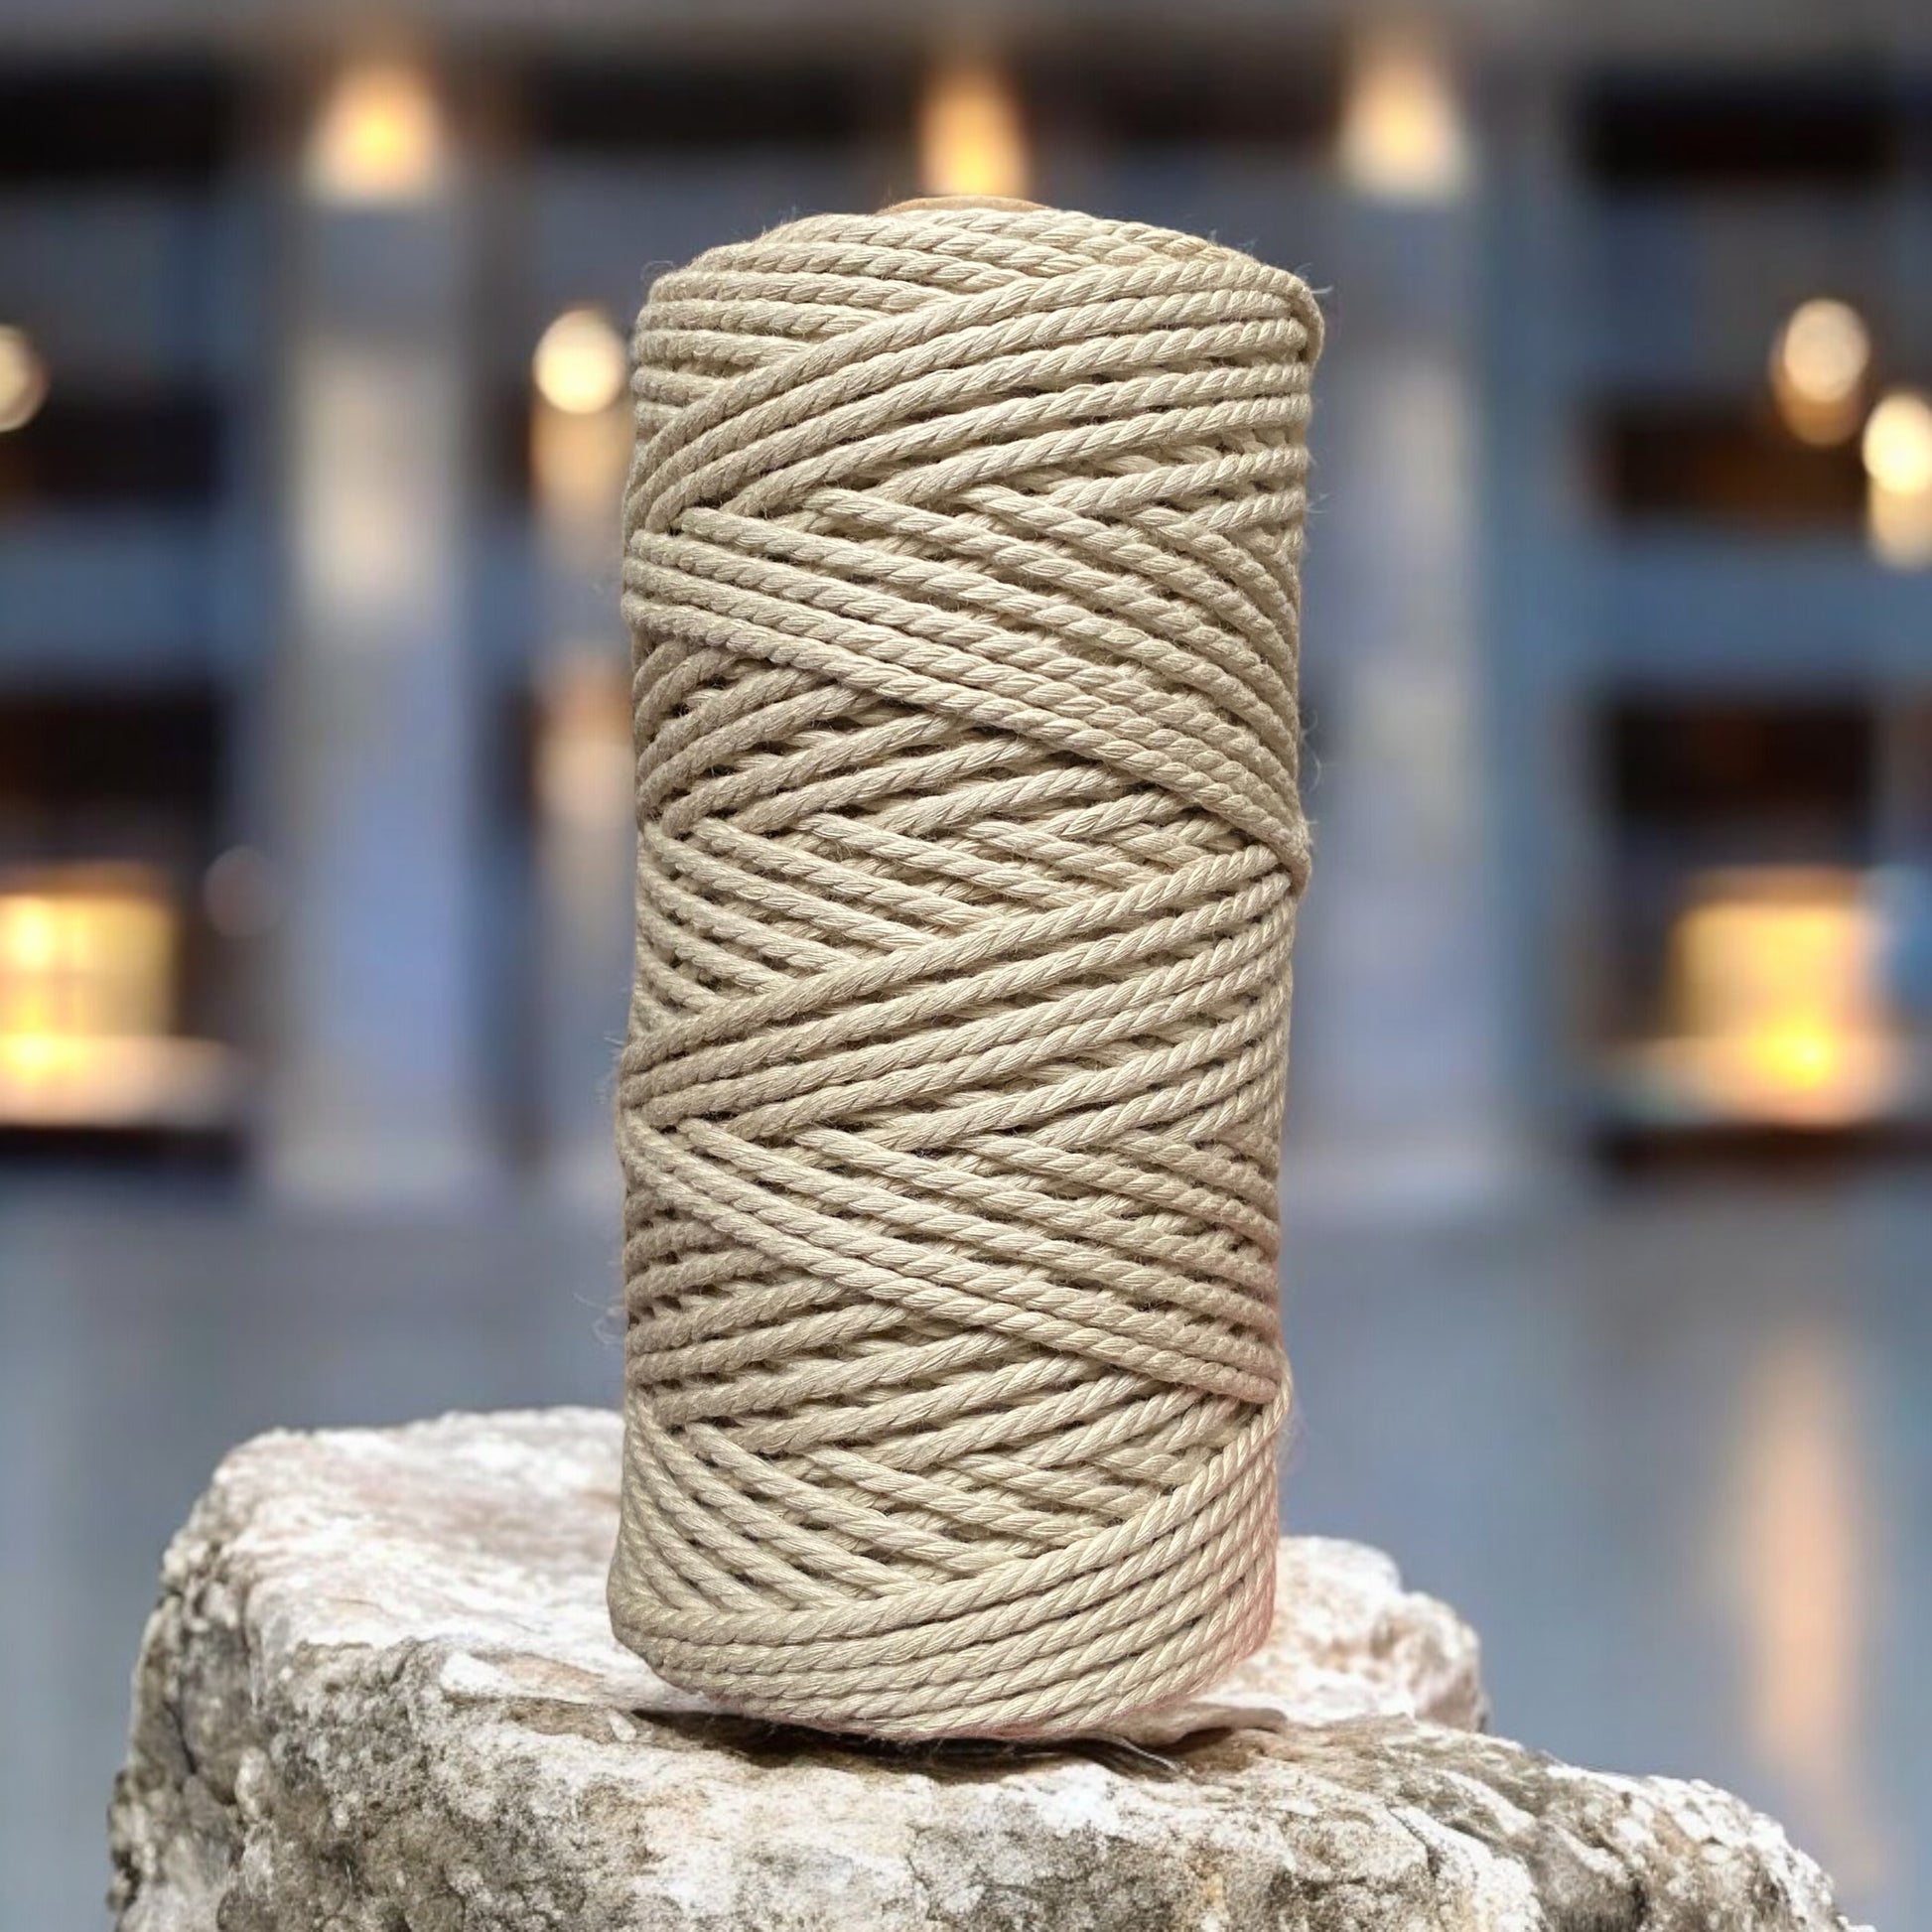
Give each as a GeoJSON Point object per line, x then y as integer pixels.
{"type": "Point", "coordinates": [960, 564]}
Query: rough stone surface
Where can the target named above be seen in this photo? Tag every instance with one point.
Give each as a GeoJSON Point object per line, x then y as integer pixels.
{"type": "Point", "coordinates": [379, 1694]}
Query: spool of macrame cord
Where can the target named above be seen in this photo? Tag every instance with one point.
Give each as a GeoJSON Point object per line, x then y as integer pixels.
{"type": "Point", "coordinates": [961, 567]}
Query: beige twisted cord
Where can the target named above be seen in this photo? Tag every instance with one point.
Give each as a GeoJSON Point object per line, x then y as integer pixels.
{"type": "Point", "coordinates": [960, 563]}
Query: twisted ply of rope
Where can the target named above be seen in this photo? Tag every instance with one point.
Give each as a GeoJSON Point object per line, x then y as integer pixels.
{"type": "Point", "coordinates": [960, 563]}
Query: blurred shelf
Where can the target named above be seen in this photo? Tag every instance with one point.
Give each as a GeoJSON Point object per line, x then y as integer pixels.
{"type": "Point", "coordinates": [1694, 1086]}
{"type": "Point", "coordinates": [112, 595]}
{"type": "Point", "coordinates": [1696, 608]}
{"type": "Point", "coordinates": [56, 1081]}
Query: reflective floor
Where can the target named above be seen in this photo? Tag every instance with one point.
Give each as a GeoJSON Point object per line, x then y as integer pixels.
{"type": "Point", "coordinates": [1671, 1453]}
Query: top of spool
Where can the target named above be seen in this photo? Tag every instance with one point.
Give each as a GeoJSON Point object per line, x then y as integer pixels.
{"type": "Point", "coordinates": [923, 201]}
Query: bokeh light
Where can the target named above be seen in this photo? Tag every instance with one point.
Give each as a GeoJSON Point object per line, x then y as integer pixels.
{"type": "Point", "coordinates": [1818, 364]}
{"type": "Point", "coordinates": [1898, 453]}
{"type": "Point", "coordinates": [1777, 990]}
{"type": "Point", "coordinates": [380, 137]}
{"type": "Point", "coordinates": [1897, 446]}
{"type": "Point", "coordinates": [22, 379]}
{"type": "Point", "coordinates": [580, 365]}
{"type": "Point", "coordinates": [971, 136]}
{"type": "Point", "coordinates": [1403, 137]}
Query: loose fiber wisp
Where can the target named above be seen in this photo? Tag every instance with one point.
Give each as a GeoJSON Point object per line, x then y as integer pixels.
{"type": "Point", "coordinates": [961, 551]}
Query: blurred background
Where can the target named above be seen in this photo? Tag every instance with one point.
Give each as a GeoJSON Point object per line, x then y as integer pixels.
{"type": "Point", "coordinates": [1610, 1253]}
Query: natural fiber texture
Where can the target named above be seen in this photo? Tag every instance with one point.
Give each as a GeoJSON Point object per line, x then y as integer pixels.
{"type": "Point", "coordinates": [960, 562]}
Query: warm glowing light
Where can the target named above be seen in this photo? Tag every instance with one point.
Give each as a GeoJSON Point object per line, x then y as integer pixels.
{"type": "Point", "coordinates": [1819, 364]}
{"type": "Point", "coordinates": [580, 365]}
{"type": "Point", "coordinates": [580, 441]}
{"type": "Point", "coordinates": [1776, 988]}
{"type": "Point", "coordinates": [972, 137]}
{"type": "Point", "coordinates": [1898, 523]}
{"type": "Point", "coordinates": [577, 472]}
{"type": "Point", "coordinates": [1824, 351]}
{"type": "Point", "coordinates": [1897, 452]}
{"type": "Point", "coordinates": [1897, 445]}
{"type": "Point", "coordinates": [88, 957]}
{"type": "Point", "coordinates": [87, 953]}
{"type": "Point", "coordinates": [1403, 137]}
{"type": "Point", "coordinates": [380, 137]}
{"type": "Point", "coordinates": [585, 776]}
{"type": "Point", "coordinates": [22, 379]}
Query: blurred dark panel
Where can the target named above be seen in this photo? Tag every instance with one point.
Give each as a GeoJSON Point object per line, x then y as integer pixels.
{"type": "Point", "coordinates": [99, 452]}
{"type": "Point", "coordinates": [1790, 1157]}
{"type": "Point", "coordinates": [1722, 463]}
{"type": "Point", "coordinates": [156, 749]}
{"type": "Point", "coordinates": [181, 1155]}
{"type": "Point", "coordinates": [617, 108]}
{"type": "Point", "coordinates": [506, 442]}
{"type": "Point", "coordinates": [1729, 130]}
{"type": "Point", "coordinates": [1683, 130]}
{"type": "Point", "coordinates": [156, 120]}
{"type": "Point", "coordinates": [1913, 770]}
{"type": "Point", "coordinates": [1197, 93]}
{"type": "Point", "coordinates": [1755, 767]}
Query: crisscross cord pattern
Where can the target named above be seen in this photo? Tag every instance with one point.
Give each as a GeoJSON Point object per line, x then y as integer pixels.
{"type": "Point", "coordinates": [961, 553]}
